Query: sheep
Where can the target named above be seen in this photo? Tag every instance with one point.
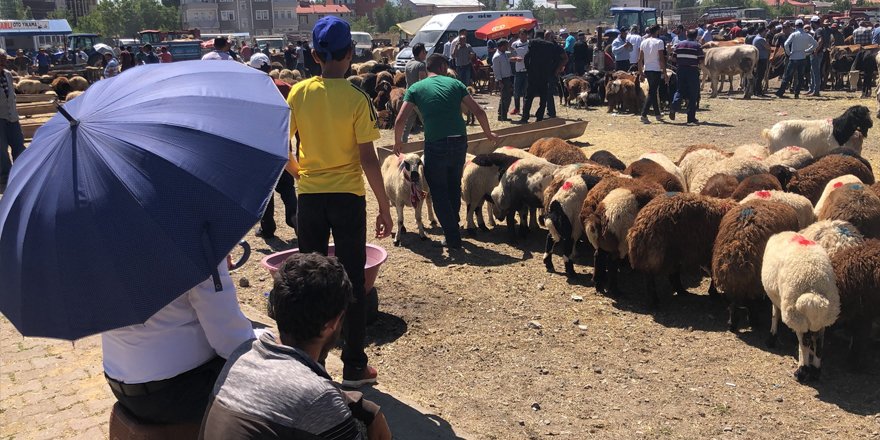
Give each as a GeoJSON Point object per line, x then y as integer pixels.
{"type": "Point", "coordinates": [384, 76]}
{"type": "Point", "coordinates": [675, 232]}
{"type": "Point", "coordinates": [666, 163]}
{"type": "Point", "coordinates": [365, 67]}
{"type": "Point", "coordinates": [833, 184]}
{"type": "Point", "coordinates": [287, 76]}
{"type": "Point", "coordinates": [515, 152]}
{"type": "Point", "coordinates": [395, 101]}
{"type": "Point", "coordinates": [400, 80]}
{"type": "Point", "coordinates": [855, 270]}
{"type": "Point", "coordinates": [521, 188]}
{"type": "Point", "coordinates": [647, 169]}
{"type": "Point", "coordinates": [739, 250]}
{"type": "Point", "coordinates": [697, 147]}
{"type": "Point", "coordinates": [697, 161]}
{"type": "Point", "coordinates": [783, 174]}
{"type": "Point", "coordinates": [469, 117]}
{"type": "Point", "coordinates": [383, 97]}
{"type": "Point", "coordinates": [274, 73]}
{"type": "Point", "coordinates": [482, 174]}
{"type": "Point", "coordinates": [608, 159]}
{"type": "Point", "coordinates": [811, 180]}
{"type": "Point", "coordinates": [751, 150]}
{"type": "Point", "coordinates": [565, 172]}
{"type": "Point", "coordinates": [575, 87]}
{"type": "Point", "coordinates": [758, 182]}
{"type": "Point", "coordinates": [799, 203]}
{"type": "Point", "coordinates": [31, 87]}
{"type": "Point", "coordinates": [855, 203]}
{"type": "Point", "coordinates": [841, 151]}
{"type": "Point", "coordinates": [562, 219]}
{"type": "Point", "coordinates": [72, 95]}
{"type": "Point", "coordinates": [738, 167]}
{"type": "Point", "coordinates": [720, 185]}
{"type": "Point", "coordinates": [61, 86]}
{"type": "Point", "coordinates": [78, 83]}
{"type": "Point", "coordinates": [368, 84]}
{"type": "Point", "coordinates": [608, 224]}
{"type": "Point", "coordinates": [357, 80]}
{"type": "Point", "coordinates": [404, 186]}
{"type": "Point", "coordinates": [800, 281]}
{"type": "Point", "coordinates": [557, 151]}
{"type": "Point", "coordinates": [833, 235]}
{"type": "Point", "coordinates": [621, 94]}
{"type": "Point", "coordinates": [821, 136]}
{"type": "Point", "coordinates": [601, 260]}
{"type": "Point", "coordinates": [382, 67]}
{"type": "Point", "coordinates": [792, 157]}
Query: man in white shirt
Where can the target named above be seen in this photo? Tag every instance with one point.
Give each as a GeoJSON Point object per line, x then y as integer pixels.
{"type": "Point", "coordinates": [520, 76]}
{"type": "Point", "coordinates": [447, 48]}
{"type": "Point", "coordinates": [652, 64]}
{"type": "Point", "coordinates": [635, 40]}
{"type": "Point", "coordinates": [504, 77]}
{"type": "Point", "coordinates": [163, 371]}
{"type": "Point", "coordinates": [221, 50]}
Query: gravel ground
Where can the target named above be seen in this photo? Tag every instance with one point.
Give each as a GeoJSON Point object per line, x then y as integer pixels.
{"type": "Point", "coordinates": [454, 332]}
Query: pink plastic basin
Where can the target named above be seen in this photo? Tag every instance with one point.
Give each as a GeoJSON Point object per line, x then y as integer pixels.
{"type": "Point", "coordinates": [376, 255]}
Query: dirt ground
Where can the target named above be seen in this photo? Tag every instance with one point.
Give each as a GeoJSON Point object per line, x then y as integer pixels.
{"type": "Point", "coordinates": [454, 333]}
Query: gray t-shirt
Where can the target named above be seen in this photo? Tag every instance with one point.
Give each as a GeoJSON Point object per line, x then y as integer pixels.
{"type": "Point", "coordinates": [268, 390]}
{"type": "Point", "coordinates": [413, 68]}
{"type": "Point", "coordinates": [461, 53]}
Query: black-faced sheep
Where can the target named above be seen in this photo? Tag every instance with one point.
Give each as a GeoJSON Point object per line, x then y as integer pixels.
{"type": "Point", "coordinates": [799, 203]}
{"type": "Point", "coordinates": [649, 170]}
{"type": "Point", "coordinates": [601, 260]}
{"type": "Point", "coordinates": [482, 174]}
{"type": "Point", "coordinates": [857, 271]}
{"type": "Point", "coordinates": [404, 186]}
{"type": "Point", "coordinates": [855, 203]}
{"type": "Point", "coordinates": [368, 84]}
{"type": "Point", "coordinates": [562, 219]}
{"type": "Point", "coordinates": [810, 181]}
{"type": "Point", "coordinates": [557, 151]}
{"type": "Point", "coordinates": [608, 225]}
{"type": "Point", "coordinates": [738, 252]}
{"type": "Point", "coordinates": [799, 279]}
{"type": "Point", "coordinates": [563, 173]}
{"type": "Point", "coordinates": [608, 159]}
{"type": "Point", "coordinates": [821, 136]}
{"type": "Point", "coordinates": [521, 188]}
{"type": "Point", "coordinates": [675, 232]}
{"type": "Point", "coordinates": [792, 157]}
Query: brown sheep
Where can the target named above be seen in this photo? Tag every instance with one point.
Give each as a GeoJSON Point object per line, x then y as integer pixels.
{"type": "Point", "coordinates": [739, 251]}
{"type": "Point", "coordinates": [647, 169]}
{"type": "Point", "coordinates": [356, 80]}
{"type": "Point", "coordinates": [757, 182]}
{"type": "Point", "coordinates": [675, 232]}
{"type": "Point", "coordinates": [576, 86]}
{"type": "Point", "coordinates": [855, 270]}
{"type": "Point", "coordinates": [607, 159]}
{"type": "Point", "coordinates": [469, 117]}
{"type": "Point", "coordinates": [601, 260]}
{"type": "Point", "coordinates": [558, 151]}
{"type": "Point", "coordinates": [395, 101]}
{"type": "Point", "coordinates": [61, 86]}
{"type": "Point", "coordinates": [720, 185]}
{"type": "Point", "coordinates": [810, 181]}
{"type": "Point", "coordinates": [691, 148]}
{"type": "Point", "coordinates": [621, 94]}
{"type": "Point", "coordinates": [383, 95]}
{"type": "Point", "coordinates": [384, 119]}
{"type": "Point", "coordinates": [368, 84]}
{"type": "Point", "coordinates": [400, 80]}
{"type": "Point", "coordinates": [384, 77]}
{"type": "Point", "coordinates": [78, 83]}
{"type": "Point", "coordinates": [856, 204]}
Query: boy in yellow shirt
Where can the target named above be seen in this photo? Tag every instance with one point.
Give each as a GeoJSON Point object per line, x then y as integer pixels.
{"type": "Point", "coordinates": [336, 125]}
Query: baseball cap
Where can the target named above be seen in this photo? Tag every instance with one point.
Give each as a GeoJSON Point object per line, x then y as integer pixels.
{"type": "Point", "coordinates": [814, 18]}
{"type": "Point", "coordinates": [331, 34]}
{"type": "Point", "coordinates": [798, 22]}
{"type": "Point", "coordinates": [258, 59]}
{"type": "Point", "coordinates": [563, 31]}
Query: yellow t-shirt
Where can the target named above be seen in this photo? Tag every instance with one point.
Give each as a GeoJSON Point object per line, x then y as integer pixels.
{"type": "Point", "coordinates": [331, 116]}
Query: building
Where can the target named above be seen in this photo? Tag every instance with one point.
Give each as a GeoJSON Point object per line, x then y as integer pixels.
{"type": "Point", "coordinates": [33, 34]}
{"type": "Point", "coordinates": [564, 11]}
{"type": "Point", "coordinates": [40, 9]}
{"type": "Point", "coordinates": [80, 8]}
{"type": "Point", "coordinates": [309, 13]}
{"type": "Point", "coordinates": [421, 8]}
{"type": "Point", "coordinates": [255, 17]}
{"type": "Point", "coordinates": [361, 8]}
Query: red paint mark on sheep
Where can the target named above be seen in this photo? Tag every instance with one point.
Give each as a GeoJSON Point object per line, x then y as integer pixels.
{"type": "Point", "coordinates": [566, 186]}
{"type": "Point", "coordinates": [838, 184]}
{"type": "Point", "coordinates": [763, 194]}
{"type": "Point", "coordinates": [793, 148]}
{"type": "Point", "coordinates": [801, 240]}
{"type": "Point", "coordinates": [512, 166]}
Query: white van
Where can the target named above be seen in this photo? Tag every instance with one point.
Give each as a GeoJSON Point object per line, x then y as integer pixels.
{"type": "Point", "coordinates": [363, 44]}
{"type": "Point", "coordinates": [436, 31]}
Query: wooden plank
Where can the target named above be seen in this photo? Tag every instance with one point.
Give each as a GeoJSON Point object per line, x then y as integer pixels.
{"type": "Point", "coordinates": [30, 126]}
{"type": "Point", "coordinates": [39, 97]}
{"type": "Point", "coordinates": [36, 108]}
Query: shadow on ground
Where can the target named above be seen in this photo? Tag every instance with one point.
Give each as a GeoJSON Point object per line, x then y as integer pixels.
{"type": "Point", "coordinates": [409, 423]}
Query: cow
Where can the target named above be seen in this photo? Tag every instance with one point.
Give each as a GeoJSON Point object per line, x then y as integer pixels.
{"type": "Point", "coordinates": [734, 60]}
{"type": "Point", "coordinates": [840, 63]}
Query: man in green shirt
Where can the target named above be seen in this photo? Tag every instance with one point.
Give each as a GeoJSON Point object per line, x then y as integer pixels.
{"type": "Point", "coordinates": [439, 98]}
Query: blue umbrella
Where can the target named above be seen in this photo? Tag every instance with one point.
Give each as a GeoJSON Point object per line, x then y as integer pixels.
{"type": "Point", "coordinates": [135, 192]}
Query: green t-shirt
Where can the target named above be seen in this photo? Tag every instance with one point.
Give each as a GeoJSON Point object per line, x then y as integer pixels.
{"type": "Point", "coordinates": [439, 100]}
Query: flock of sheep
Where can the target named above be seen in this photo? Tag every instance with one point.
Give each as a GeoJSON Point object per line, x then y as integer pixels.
{"type": "Point", "coordinates": [66, 89]}
{"type": "Point", "coordinates": [794, 222]}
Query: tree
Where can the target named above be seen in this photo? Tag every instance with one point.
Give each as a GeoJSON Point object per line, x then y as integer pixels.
{"type": "Point", "coordinates": [15, 10]}
{"type": "Point", "coordinates": [525, 5]}
{"type": "Point", "coordinates": [389, 15]}
{"type": "Point", "coordinates": [125, 18]}
{"type": "Point", "coordinates": [362, 24]}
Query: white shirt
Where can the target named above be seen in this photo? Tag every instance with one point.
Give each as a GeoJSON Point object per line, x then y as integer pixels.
{"type": "Point", "coordinates": [652, 48]}
{"type": "Point", "coordinates": [501, 66]}
{"type": "Point", "coordinates": [185, 334]}
{"type": "Point", "coordinates": [447, 50]}
{"type": "Point", "coordinates": [521, 48]}
{"type": "Point", "coordinates": [217, 55]}
{"type": "Point", "coordinates": [636, 41]}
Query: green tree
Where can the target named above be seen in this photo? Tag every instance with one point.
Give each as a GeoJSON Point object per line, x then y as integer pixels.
{"type": "Point", "coordinates": [125, 18]}
{"type": "Point", "coordinates": [389, 15]}
{"type": "Point", "coordinates": [362, 24]}
{"type": "Point", "coordinates": [525, 5]}
{"type": "Point", "coordinates": [15, 10]}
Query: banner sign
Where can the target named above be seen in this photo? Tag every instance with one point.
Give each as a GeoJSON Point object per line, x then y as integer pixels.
{"type": "Point", "coordinates": [23, 25]}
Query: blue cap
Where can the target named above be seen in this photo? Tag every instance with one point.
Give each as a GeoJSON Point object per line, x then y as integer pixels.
{"type": "Point", "coordinates": [331, 34]}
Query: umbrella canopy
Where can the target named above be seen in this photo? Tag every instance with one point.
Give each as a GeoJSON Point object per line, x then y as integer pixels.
{"type": "Point", "coordinates": [413, 26]}
{"type": "Point", "coordinates": [138, 196]}
{"type": "Point", "coordinates": [503, 26]}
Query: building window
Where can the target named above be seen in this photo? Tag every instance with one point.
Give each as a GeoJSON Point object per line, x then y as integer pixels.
{"type": "Point", "coordinates": [227, 16]}
{"type": "Point", "coordinates": [262, 14]}
{"type": "Point", "coordinates": [289, 14]}
{"type": "Point", "coordinates": [304, 19]}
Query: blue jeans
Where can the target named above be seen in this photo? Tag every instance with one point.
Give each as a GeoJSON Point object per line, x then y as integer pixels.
{"type": "Point", "coordinates": [816, 73]}
{"type": "Point", "coordinates": [444, 165]}
{"type": "Point", "coordinates": [10, 136]}
{"type": "Point", "coordinates": [464, 74]}
{"type": "Point", "coordinates": [688, 88]}
{"type": "Point", "coordinates": [520, 86]}
{"type": "Point", "coordinates": [795, 68]}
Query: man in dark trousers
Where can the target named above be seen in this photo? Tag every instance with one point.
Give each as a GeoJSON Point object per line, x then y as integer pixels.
{"type": "Point", "coordinates": [652, 64]}
{"type": "Point", "coordinates": [688, 55]}
{"type": "Point", "coordinates": [583, 54]}
{"type": "Point", "coordinates": [544, 60]}
{"type": "Point", "coordinates": [440, 98]}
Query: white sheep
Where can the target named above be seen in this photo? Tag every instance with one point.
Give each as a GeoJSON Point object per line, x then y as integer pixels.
{"type": "Point", "coordinates": [835, 183]}
{"type": "Point", "coordinates": [72, 95]}
{"type": "Point", "coordinates": [32, 87]}
{"type": "Point", "coordinates": [667, 164]}
{"type": "Point", "coordinates": [515, 152]}
{"type": "Point", "coordinates": [563, 219]}
{"type": "Point", "coordinates": [404, 185]}
{"type": "Point", "coordinates": [481, 174]}
{"type": "Point", "coordinates": [822, 135]}
{"type": "Point", "coordinates": [751, 150]}
{"type": "Point", "coordinates": [78, 83]}
{"type": "Point", "coordinates": [799, 203]}
{"type": "Point", "coordinates": [834, 235]}
{"type": "Point", "coordinates": [698, 160]}
{"type": "Point", "coordinates": [791, 157]}
{"type": "Point", "coordinates": [798, 277]}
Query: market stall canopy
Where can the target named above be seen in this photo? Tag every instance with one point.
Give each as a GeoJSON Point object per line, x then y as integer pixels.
{"type": "Point", "coordinates": [30, 28]}
{"type": "Point", "coordinates": [412, 27]}
{"type": "Point", "coordinates": [503, 26]}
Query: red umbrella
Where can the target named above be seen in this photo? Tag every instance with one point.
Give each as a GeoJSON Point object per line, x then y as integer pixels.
{"type": "Point", "coordinates": [504, 26]}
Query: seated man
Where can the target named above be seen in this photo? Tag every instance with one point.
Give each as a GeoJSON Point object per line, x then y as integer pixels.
{"type": "Point", "coordinates": [163, 371]}
{"type": "Point", "coordinates": [274, 388]}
